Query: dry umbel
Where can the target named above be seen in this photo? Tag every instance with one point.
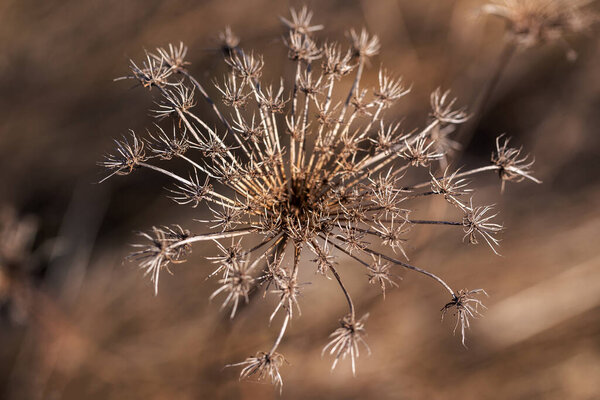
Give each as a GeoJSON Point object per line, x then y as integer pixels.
{"type": "Point", "coordinates": [535, 22]}
{"type": "Point", "coordinates": [298, 173]}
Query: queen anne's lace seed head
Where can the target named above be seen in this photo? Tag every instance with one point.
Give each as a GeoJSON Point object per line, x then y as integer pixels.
{"type": "Point", "coordinates": [389, 90]}
{"type": "Point", "coordinates": [273, 100]}
{"type": "Point", "coordinates": [442, 108]}
{"type": "Point", "coordinates": [327, 178]}
{"type": "Point", "coordinates": [234, 93]}
{"type": "Point", "coordinates": [465, 307]}
{"type": "Point", "coordinates": [512, 166]}
{"type": "Point", "coordinates": [380, 272]}
{"type": "Point", "coordinates": [347, 340]}
{"type": "Point", "coordinates": [235, 285]}
{"type": "Point", "coordinates": [300, 21]}
{"type": "Point", "coordinates": [364, 45]}
{"type": "Point", "coordinates": [165, 248]}
{"type": "Point", "coordinates": [302, 48]}
{"type": "Point", "coordinates": [451, 187]}
{"type": "Point", "coordinates": [262, 366]}
{"type": "Point", "coordinates": [178, 99]}
{"type": "Point", "coordinates": [534, 22]}
{"type": "Point", "coordinates": [420, 153]}
{"type": "Point", "coordinates": [246, 66]}
{"type": "Point", "coordinates": [154, 71]}
{"type": "Point", "coordinates": [129, 153]}
{"type": "Point", "coordinates": [228, 41]}
{"type": "Point", "coordinates": [173, 56]}
{"type": "Point", "coordinates": [335, 63]}
{"type": "Point", "coordinates": [477, 224]}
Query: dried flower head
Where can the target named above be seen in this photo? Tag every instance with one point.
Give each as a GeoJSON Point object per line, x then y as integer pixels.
{"type": "Point", "coordinates": [192, 192]}
{"type": "Point", "coordinates": [128, 156]}
{"type": "Point", "coordinates": [465, 306]}
{"type": "Point", "coordinates": [173, 57]}
{"type": "Point", "coordinates": [263, 366]}
{"type": "Point", "coordinates": [534, 22]}
{"type": "Point", "coordinates": [420, 153]}
{"type": "Point", "coordinates": [363, 44]}
{"type": "Point", "coordinates": [389, 89]}
{"type": "Point", "coordinates": [380, 272]}
{"type": "Point", "coordinates": [450, 187]}
{"type": "Point", "coordinates": [234, 94]}
{"type": "Point", "coordinates": [511, 165]}
{"type": "Point", "coordinates": [167, 245]}
{"type": "Point", "coordinates": [302, 48]}
{"type": "Point", "coordinates": [477, 223]}
{"type": "Point", "coordinates": [335, 63]}
{"type": "Point", "coordinates": [176, 100]}
{"type": "Point", "coordinates": [166, 147]}
{"type": "Point", "coordinates": [288, 290]}
{"type": "Point", "coordinates": [246, 66]}
{"type": "Point", "coordinates": [346, 339]}
{"type": "Point", "coordinates": [442, 109]}
{"type": "Point", "coordinates": [300, 21]}
{"type": "Point", "coordinates": [228, 40]}
{"type": "Point", "coordinates": [331, 178]}
{"type": "Point", "coordinates": [153, 72]}
{"type": "Point", "coordinates": [236, 284]}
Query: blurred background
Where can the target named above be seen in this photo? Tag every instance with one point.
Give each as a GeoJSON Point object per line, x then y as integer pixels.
{"type": "Point", "coordinates": [78, 322]}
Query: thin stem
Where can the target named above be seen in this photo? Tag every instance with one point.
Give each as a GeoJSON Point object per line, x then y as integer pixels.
{"type": "Point", "coordinates": [505, 56]}
{"type": "Point", "coordinates": [186, 182]}
{"type": "Point", "coordinates": [462, 174]}
{"type": "Point", "coordinates": [350, 304]}
{"type": "Point", "coordinates": [213, 236]}
{"type": "Point", "coordinates": [208, 99]}
{"type": "Point", "coordinates": [165, 172]}
{"type": "Point", "coordinates": [297, 250]}
{"type": "Point", "coordinates": [428, 222]}
{"type": "Point", "coordinates": [197, 166]}
{"type": "Point", "coordinates": [281, 332]}
{"type": "Point", "coordinates": [337, 246]}
{"type": "Point", "coordinates": [265, 254]}
{"type": "Point", "coordinates": [412, 267]}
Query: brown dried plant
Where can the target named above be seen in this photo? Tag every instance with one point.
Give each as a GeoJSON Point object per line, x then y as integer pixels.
{"type": "Point", "coordinates": [301, 174]}
{"type": "Point", "coordinates": [534, 22]}
{"type": "Point", "coordinates": [529, 24]}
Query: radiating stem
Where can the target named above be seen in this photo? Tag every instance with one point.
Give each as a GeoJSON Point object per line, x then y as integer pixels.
{"type": "Point", "coordinates": [184, 181]}
{"type": "Point", "coordinates": [213, 236]}
{"type": "Point", "coordinates": [350, 304]}
{"type": "Point", "coordinates": [462, 174]}
{"type": "Point", "coordinates": [281, 333]}
{"type": "Point", "coordinates": [412, 267]}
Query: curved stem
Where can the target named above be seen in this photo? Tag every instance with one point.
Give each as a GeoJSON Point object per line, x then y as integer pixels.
{"type": "Point", "coordinates": [347, 253]}
{"type": "Point", "coordinates": [412, 267]}
{"type": "Point", "coordinates": [350, 304]}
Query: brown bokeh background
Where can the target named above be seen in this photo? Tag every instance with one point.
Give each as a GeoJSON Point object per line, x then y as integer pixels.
{"type": "Point", "coordinates": [77, 322]}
